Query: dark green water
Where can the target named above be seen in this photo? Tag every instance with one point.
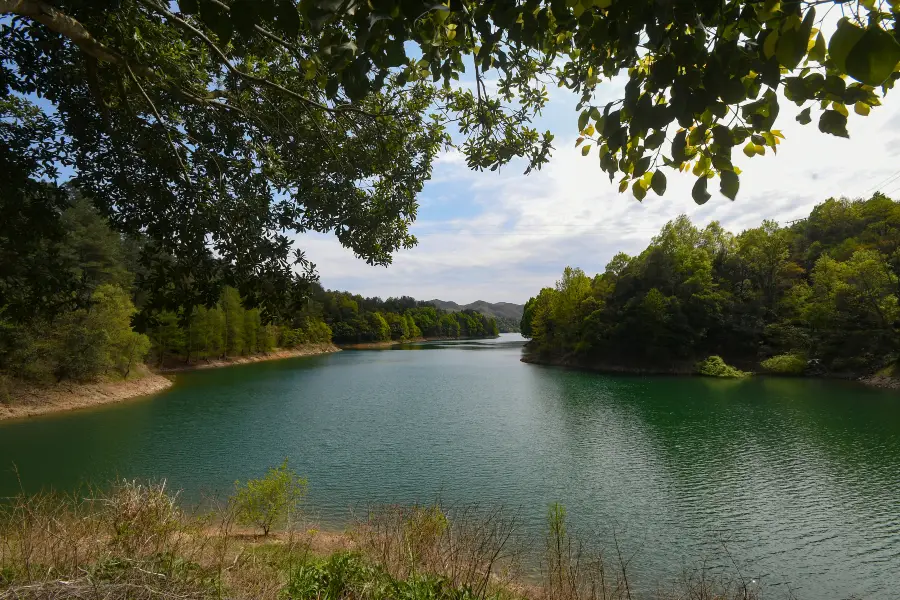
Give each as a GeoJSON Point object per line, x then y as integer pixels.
{"type": "Point", "coordinates": [800, 479]}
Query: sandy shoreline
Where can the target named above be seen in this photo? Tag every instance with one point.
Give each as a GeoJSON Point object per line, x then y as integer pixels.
{"type": "Point", "coordinates": [23, 400]}
{"type": "Point", "coordinates": [33, 400]}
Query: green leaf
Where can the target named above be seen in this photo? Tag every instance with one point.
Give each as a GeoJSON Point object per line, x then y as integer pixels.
{"type": "Point", "coordinates": [697, 136]}
{"type": "Point", "coordinates": [834, 123]}
{"type": "Point", "coordinates": [729, 184]}
{"type": "Point", "coordinates": [658, 182]}
{"type": "Point", "coordinates": [655, 140]}
{"type": "Point", "coordinates": [245, 15]}
{"type": "Point", "coordinates": [874, 57]}
{"type": "Point", "coordinates": [288, 18]}
{"type": "Point", "coordinates": [585, 150]}
{"type": "Point", "coordinates": [733, 91]}
{"type": "Point", "coordinates": [699, 193]}
{"type": "Point", "coordinates": [842, 42]}
{"type": "Point", "coordinates": [769, 44]}
{"type": "Point", "coordinates": [641, 166]}
{"type": "Point", "coordinates": [679, 144]}
{"type": "Point", "coordinates": [394, 54]}
{"type": "Point", "coordinates": [819, 49]}
{"type": "Point", "coordinates": [861, 108]}
{"type": "Point", "coordinates": [638, 190]}
{"type": "Point", "coordinates": [583, 119]}
{"type": "Point", "coordinates": [804, 118]}
{"type": "Point", "coordinates": [792, 44]}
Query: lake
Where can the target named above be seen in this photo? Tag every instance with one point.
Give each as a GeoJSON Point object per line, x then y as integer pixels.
{"type": "Point", "coordinates": [798, 479]}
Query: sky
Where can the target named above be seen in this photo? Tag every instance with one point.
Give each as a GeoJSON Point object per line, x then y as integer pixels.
{"type": "Point", "coordinates": [502, 236]}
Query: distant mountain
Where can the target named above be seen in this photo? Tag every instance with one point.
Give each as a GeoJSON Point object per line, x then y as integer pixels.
{"type": "Point", "coordinates": [508, 315]}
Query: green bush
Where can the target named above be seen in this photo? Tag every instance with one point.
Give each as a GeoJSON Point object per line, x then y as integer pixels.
{"type": "Point", "coordinates": [82, 344]}
{"type": "Point", "coordinates": [266, 502]}
{"type": "Point", "coordinates": [348, 575]}
{"type": "Point", "coordinates": [714, 366]}
{"type": "Point", "coordinates": [792, 363]}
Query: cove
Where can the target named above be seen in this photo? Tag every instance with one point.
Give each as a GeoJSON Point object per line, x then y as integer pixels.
{"type": "Point", "coordinates": [799, 479]}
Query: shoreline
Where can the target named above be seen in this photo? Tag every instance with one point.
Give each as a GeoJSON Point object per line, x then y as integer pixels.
{"type": "Point", "coordinates": [33, 400]}
{"type": "Point", "coordinates": [26, 400]}
{"type": "Point", "coordinates": [390, 343]}
{"type": "Point", "coordinates": [877, 381]}
{"type": "Point", "coordinates": [217, 363]}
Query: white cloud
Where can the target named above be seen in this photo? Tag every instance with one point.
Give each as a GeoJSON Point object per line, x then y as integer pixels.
{"type": "Point", "coordinates": [529, 228]}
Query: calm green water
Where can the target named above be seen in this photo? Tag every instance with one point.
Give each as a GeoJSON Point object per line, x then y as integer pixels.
{"type": "Point", "coordinates": [800, 479]}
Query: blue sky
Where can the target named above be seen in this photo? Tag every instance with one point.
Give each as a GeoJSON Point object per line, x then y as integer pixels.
{"type": "Point", "coordinates": [502, 236]}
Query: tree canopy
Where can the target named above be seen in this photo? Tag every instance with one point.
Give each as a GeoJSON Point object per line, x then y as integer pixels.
{"type": "Point", "coordinates": [217, 128]}
{"type": "Point", "coordinates": [820, 296]}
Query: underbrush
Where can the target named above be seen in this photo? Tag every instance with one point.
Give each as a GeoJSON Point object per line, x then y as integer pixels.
{"type": "Point", "coordinates": [714, 366]}
{"type": "Point", "coordinates": [792, 363]}
{"type": "Point", "coordinates": [135, 542]}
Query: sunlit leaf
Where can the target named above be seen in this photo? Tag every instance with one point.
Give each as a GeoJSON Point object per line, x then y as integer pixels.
{"type": "Point", "coordinates": [874, 57]}
{"type": "Point", "coordinates": [638, 190]}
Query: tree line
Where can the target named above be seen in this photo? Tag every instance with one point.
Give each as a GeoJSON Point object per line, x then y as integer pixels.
{"type": "Point", "coordinates": [81, 302]}
{"type": "Point", "coordinates": [355, 319]}
{"type": "Point", "coordinates": [819, 296]}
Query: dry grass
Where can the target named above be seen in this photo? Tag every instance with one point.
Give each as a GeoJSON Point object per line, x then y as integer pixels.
{"type": "Point", "coordinates": [135, 542]}
{"type": "Point", "coordinates": [468, 546]}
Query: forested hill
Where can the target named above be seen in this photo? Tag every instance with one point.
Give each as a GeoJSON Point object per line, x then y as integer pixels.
{"type": "Point", "coordinates": [816, 297]}
{"type": "Point", "coordinates": [355, 319]}
{"type": "Point", "coordinates": [508, 315]}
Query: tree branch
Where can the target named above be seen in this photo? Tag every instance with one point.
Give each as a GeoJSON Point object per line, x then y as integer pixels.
{"type": "Point", "coordinates": [223, 58]}
{"type": "Point", "coordinates": [159, 119]}
{"type": "Point", "coordinates": [62, 24]}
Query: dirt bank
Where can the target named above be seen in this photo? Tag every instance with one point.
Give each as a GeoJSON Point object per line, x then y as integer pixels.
{"type": "Point", "coordinates": [307, 350]}
{"type": "Point", "coordinates": [19, 400]}
{"type": "Point", "coordinates": [886, 382]}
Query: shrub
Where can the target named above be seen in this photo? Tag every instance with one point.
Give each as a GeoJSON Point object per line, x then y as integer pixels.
{"type": "Point", "coordinates": [266, 502]}
{"type": "Point", "coordinates": [714, 366]}
{"type": "Point", "coordinates": [143, 517]}
{"type": "Point", "coordinates": [792, 363]}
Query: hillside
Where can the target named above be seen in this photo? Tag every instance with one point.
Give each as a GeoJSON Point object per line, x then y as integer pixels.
{"type": "Point", "coordinates": [508, 315]}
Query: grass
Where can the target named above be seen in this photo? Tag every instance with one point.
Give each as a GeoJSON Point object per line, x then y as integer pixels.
{"type": "Point", "coordinates": [135, 542]}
